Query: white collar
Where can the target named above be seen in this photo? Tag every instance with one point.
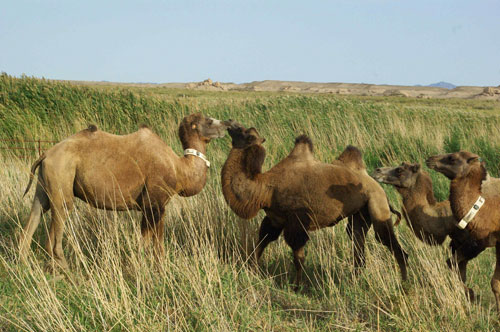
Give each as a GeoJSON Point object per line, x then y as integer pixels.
{"type": "Point", "coordinates": [198, 154]}
{"type": "Point", "coordinates": [472, 212]}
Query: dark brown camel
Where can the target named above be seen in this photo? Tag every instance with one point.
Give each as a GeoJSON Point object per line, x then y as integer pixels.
{"type": "Point", "coordinates": [474, 200]}
{"type": "Point", "coordinates": [301, 194]}
{"type": "Point", "coordinates": [430, 221]}
{"type": "Point", "coordinates": [136, 171]}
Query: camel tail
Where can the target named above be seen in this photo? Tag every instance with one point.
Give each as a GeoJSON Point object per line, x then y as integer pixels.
{"type": "Point", "coordinates": [397, 213]}
{"type": "Point", "coordinates": [32, 172]}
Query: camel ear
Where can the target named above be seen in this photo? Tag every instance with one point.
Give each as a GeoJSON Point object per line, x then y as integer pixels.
{"type": "Point", "coordinates": [415, 168]}
{"type": "Point", "coordinates": [254, 158]}
{"type": "Point", "coordinates": [250, 139]}
{"type": "Point", "coordinates": [473, 159]}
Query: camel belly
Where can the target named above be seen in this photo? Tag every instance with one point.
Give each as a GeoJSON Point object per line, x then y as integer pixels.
{"type": "Point", "coordinates": [107, 197]}
{"type": "Point", "coordinates": [319, 213]}
{"type": "Point", "coordinates": [108, 191]}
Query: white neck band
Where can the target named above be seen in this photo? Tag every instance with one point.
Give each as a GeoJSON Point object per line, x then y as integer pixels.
{"type": "Point", "coordinates": [472, 213]}
{"type": "Point", "coordinates": [198, 154]}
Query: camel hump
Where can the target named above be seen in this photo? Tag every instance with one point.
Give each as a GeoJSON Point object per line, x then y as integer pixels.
{"type": "Point", "coordinates": [303, 149]}
{"type": "Point", "coordinates": [304, 139]}
{"type": "Point", "coordinates": [352, 158]}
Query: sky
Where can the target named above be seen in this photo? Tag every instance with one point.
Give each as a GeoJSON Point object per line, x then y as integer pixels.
{"type": "Point", "coordinates": [404, 42]}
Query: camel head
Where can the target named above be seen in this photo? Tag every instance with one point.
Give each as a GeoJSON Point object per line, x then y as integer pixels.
{"type": "Point", "coordinates": [242, 137]}
{"type": "Point", "coordinates": [403, 176]}
{"type": "Point", "coordinates": [201, 127]}
{"type": "Point", "coordinates": [454, 165]}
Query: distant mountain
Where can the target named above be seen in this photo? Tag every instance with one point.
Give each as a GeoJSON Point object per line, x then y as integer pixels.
{"type": "Point", "coordinates": [441, 84]}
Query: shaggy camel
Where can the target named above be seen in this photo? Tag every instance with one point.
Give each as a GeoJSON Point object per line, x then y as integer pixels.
{"type": "Point", "coordinates": [474, 200]}
{"type": "Point", "coordinates": [431, 221]}
{"type": "Point", "coordinates": [136, 171]}
{"type": "Point", "coordinates": [301, 194]}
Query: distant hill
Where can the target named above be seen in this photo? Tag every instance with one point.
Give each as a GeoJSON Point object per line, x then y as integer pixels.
{"type": "Point", "coordinates": [441, 84]}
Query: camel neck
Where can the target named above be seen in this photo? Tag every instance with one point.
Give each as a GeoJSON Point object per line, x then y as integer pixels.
{"type": "Point", "coordinates": [245, 195]}
{"type": "Point", "coordinates": [192, 170]}
{"type": "Point", "coordinates": [194, 143]}
{"type": "Point", "coordinates": [426, 218]}
{"type": "Point", "coordinates": [465, 190]}
{"type": "Point", "coordinates": [420, 194]}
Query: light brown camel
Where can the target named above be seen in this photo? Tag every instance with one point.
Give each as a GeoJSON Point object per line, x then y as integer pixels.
{"type": "Point", "coordinates": [136, 171]}
{"type": "Point", "coordinates": [431, 221]}
{"type": "Point", "coordinates": [481, 217]}
{"type": "Point", "coordinates": [301, 194]}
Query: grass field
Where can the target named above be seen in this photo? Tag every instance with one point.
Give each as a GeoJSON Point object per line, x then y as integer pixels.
{"type": "Point", "coordinates": [204, 283]}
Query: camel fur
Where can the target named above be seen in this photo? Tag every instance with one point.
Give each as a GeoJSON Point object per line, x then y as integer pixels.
{"type": "Point", "coordinates": [136, 171]}
{"type": "Point", "coordinates": [430, 221]}
{"type": "Point", "coordinates": [301, 194]}
{"type": "Point", "coordinates": [469, 180]}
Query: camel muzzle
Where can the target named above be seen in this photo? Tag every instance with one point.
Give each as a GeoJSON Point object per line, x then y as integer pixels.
{"type": "Point", "coordinates": [431, 162]}
{"type": "Point", "coordinates": [232, 124]}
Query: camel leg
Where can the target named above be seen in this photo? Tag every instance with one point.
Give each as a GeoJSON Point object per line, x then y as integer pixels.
{"type": "Point", "coordinates": [458, 260]}
{"type": "Point", "coordinates": [54, 240]}
{"type": "Point", "coordinates": [384, 233]}
{"type": "Point", "coordinates": [267, 234]}
{"type": "Point", "coordinates": [146, 230]}
{"type": "Point", "coordinates": [59, 188]}
{"type": "Point", "coordinates": [39, 206]}
{"type": "Point", "coordinates": [296, 237]}
{"type": "Point", "coordinates": [357, 227]}
{"type": "Point", "coordinates": [462, 269]}
{"type": "Point", "coordinates": [384, 230]}
{"type": "Point", "coordinates": [159, 231]}
{"type": "Point", "coordinates": [495, 281]}
{"type": "Point", "coordinates": [153, 228]}
{"type": "Point", "coordinates": [463, 249]}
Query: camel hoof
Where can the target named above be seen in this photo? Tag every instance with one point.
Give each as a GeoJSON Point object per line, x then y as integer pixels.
{"type": "Point", "coordinates": [471, 296]}
{"type": "Point", "coordinates": [56, 268]}
{"type": "Point", "coordinates": [406, 286]}
{"type": "Point", "coordinates": [358, 270]}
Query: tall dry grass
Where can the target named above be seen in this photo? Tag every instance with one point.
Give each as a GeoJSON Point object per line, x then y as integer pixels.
{"type": "Point", "coordinates": [204, 281]}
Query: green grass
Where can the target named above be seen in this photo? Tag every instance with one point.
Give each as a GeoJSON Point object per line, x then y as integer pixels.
{"type": "Point", "coordinates": [203, 283]}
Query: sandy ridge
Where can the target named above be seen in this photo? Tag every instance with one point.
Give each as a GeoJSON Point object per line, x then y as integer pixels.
{"type": "Point", "coordinates": [360, 89]}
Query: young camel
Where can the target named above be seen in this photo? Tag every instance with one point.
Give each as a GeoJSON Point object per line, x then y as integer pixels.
{"type": "Point", "coordinates": [136, 171]}
{"type": "Point", "coordinates": [301, 194]}
{"type": "Point", "coordinates": [430, 221]}
{"type": "Point", "coordinates": [481, 217]}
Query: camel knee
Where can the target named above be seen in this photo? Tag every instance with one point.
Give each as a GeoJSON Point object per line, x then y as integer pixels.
{"type": "Point", "coordinates": [267, 231]}
{"type": "Point", "coordinates": [384, 233]}
{"type": "Point", "coordinates": [296, 240]}
{"type": "Point", "coordinates": [299, 257]}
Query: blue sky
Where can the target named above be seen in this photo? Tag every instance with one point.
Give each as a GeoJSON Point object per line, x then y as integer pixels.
{"type": "Point", "coordinates": [355, 41]}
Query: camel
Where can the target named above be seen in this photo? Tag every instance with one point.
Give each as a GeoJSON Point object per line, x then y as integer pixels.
{"type": "Point", "coordinates": [136, 171]}
{"type": "Point", "coordinates": [301, 194]}
{"type": "Point", "coordinates": [430, 221]}
{"type": "Point", "coordinates": [474, 200]}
